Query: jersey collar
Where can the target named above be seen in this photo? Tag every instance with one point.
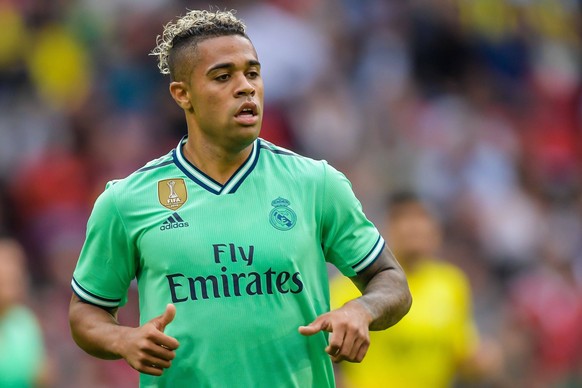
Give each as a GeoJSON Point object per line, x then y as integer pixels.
{"type": "Point", "coordinates": [207, 182]}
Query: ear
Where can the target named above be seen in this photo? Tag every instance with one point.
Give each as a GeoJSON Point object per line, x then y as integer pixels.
{"type": "Point", "coordinates": [181, 94]}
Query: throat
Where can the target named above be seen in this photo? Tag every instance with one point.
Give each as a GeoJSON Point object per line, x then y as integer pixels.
{"type": "Point", "coordinates": [217, 164]}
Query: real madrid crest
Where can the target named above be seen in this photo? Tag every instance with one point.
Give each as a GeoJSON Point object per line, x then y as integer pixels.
{"type": "Point", "coordinates": [172, 193]}
{"type": "Point", "coordinates": [282, 217]}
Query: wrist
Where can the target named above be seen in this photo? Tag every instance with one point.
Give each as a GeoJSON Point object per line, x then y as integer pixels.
{"type": "Point", "coordinates": [118, 343]}
{"type": "Point", "coordinates": [362, 308]}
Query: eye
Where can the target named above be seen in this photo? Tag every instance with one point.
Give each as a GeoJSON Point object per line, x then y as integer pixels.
{"type": "Point", "coordinates": [222, 77]}
{"type": "Point", "coordinates": [253, 74]}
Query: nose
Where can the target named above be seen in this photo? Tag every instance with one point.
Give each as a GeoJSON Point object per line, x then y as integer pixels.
{"type": "Point", "coordinates": [245, 88]}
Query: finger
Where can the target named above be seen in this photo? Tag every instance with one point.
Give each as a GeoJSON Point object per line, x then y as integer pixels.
{"type": "Point", "coordinates": [362, 352]}
{"type": "Point", "coordinates": [166, 318]}
{"type": "Point", "coordinates": [338, 357]}
{"type": "Point", "coordinates": [160, 352]}
{"type": "Point", "coordinates": [156, 362]}
{"type": "Point", "coordinates": [168, 343]}
{"type": "Point", "coordinates": [351, 350]}
{"type": "Point", "coordinates": [321, 323]}
{"type": "Point", "coordinates": [153, 370]}
{"type": "Point", "coordinates": [336, 341]}
{"type": "Point", "coordinates": [359, 350]}
{"type": "Point", "coordinates": [156, 337]}
{"type": "Point", "coordinates": [352, 344]}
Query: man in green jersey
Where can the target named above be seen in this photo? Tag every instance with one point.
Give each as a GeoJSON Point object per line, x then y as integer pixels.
{"type": "Point", "coordinates": [228, 237]}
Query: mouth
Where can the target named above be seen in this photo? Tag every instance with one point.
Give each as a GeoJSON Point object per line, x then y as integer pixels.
{"type": "Point", "coordinates": [247, 109]}
{"type": "Point", "coordinates": [248, 113]}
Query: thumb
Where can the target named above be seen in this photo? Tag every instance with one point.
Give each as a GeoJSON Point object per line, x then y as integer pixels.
{"type": "Point", "coordinates": [163, 320]}
{"type": "Point", "coordinates": [320, 324]}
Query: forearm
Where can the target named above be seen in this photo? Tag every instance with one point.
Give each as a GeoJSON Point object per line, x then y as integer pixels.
{"type": "Point", "coordinates": [95, 330]}
{"type": "Point", "coordinates": [385, 294]}
{"type": "Point", "coordinates": [386, 298]}
{"type": "Point", "coordinates": [145, 348]}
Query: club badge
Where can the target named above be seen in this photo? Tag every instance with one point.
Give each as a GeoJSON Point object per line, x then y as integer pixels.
{"type": "Point", "coordinates": [282, 217]}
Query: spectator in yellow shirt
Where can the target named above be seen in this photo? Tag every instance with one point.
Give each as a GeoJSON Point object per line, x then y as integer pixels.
{"type": "Point", "coordinates": [431, 344]}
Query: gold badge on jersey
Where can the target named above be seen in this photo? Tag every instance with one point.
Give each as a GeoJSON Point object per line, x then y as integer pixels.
{"type": "Point", "coordinates": [172, 193]}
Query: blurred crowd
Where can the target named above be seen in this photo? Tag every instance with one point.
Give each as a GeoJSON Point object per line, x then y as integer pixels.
{"type": "Point", "coordinates": [476, 105]}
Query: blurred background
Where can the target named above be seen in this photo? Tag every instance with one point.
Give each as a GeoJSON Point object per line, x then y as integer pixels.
{"type": "Point", "coordinates": [476, 105]}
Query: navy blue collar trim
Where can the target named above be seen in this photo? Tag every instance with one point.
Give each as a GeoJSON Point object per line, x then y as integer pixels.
{"type": "Point", "coordinates": [206, 182]}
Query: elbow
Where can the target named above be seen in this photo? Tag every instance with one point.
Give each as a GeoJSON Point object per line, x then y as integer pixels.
{"type": "Point", "coordinates": [405, 296]}
{"type": "Point", "coordinates": [406, 302]}
{"type": "Point", "coordinates": [399, 305]}
{"type": "Point", "coordinates": [403, 305]}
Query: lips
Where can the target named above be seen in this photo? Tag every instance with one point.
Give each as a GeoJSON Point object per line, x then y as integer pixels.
{"type": "Point", "coordinates": [247, 114]}
{"type": "Point", "coordinates": [248, 109]}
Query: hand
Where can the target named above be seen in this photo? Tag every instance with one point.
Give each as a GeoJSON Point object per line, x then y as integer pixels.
{"type": "Point", "coordinates": [349, 339]}
{"type": "Point", "coordinates": [146, 348]}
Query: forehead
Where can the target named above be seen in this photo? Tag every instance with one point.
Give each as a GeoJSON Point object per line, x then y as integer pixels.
{"type": "Point", "coordinates": [233, 49]}
{"type": "Point", "coordinates": [409, 210]}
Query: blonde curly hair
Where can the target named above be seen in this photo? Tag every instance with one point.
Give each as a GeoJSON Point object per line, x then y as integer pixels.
{"type": "Point", "coordinates": [190, 29]}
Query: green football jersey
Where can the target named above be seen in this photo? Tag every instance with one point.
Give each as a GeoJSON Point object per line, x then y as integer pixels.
{"type": "Point", "coordinates": [244, 263]}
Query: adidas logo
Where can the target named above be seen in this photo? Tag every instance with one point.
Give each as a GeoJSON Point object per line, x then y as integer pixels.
{"type": "Point", "coordinates": [174, 221]}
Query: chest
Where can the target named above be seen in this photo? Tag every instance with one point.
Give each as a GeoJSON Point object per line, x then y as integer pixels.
{"type": "Point", "coordinates": [259, 228]}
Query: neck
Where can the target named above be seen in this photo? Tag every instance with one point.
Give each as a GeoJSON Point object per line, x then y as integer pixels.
{"type": "Point", "coordinates": [215, 161]}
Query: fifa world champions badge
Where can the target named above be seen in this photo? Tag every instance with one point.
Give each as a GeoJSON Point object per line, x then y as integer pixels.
{"type": "Point", "coordinates": [282, 217]}
{"type": "Point", "coordinates": [172, 193]}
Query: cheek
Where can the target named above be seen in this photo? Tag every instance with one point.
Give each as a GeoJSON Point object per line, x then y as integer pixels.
{"type": "Point", "coordinates": [259, 87]}
{"type": "Point", "coordinates": [205, 109]}
{"type": "Point", "coordinates": [213, 106]}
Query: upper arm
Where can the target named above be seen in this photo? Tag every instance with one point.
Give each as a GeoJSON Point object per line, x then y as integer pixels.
{"type": "Point", "coordinates": [349, 240]}
{"type": "Point", "coordinates": [79, 306]}
{"type": "Point", "coordinates": [107, 263]}
{"type": "Point", "coordinates": [94, 328]}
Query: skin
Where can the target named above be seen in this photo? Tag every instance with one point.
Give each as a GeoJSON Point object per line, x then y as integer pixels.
{"type": "Point", "coordinates": [146, 348]}
{"type": "Point", "coordinates": [413, 233]}
{"type": "Point", "coordinates": [385, 300]}
{"type": "Point", "coordinates": [224, 76]}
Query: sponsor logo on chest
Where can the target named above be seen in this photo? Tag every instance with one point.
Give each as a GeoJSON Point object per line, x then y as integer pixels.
{"type": "Point", "coordinates": [174, 221]}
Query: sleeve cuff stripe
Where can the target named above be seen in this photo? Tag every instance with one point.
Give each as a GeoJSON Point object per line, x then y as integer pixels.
{"type": "Point", "coordinates": [91, 298]}
{"type": "Point", "coordinates": [370, 257]}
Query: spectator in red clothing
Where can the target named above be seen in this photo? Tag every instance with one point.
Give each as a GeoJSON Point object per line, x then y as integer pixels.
{"type": "Point", "coordinates": [546, 315]}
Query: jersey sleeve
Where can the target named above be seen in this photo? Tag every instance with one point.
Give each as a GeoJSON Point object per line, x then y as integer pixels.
{"type": "Point", "coordinates": [350, 241]}
{"type": "Point", "coordinates": [107, 262]}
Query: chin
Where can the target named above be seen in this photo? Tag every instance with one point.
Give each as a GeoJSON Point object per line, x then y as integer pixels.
{"type": "Point", "coordinates": [252, 131]}
{"type": "Point", "coordinates": [245, 137]}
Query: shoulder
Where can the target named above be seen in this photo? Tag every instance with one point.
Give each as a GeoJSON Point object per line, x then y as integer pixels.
{"type": "Point", "coordinates": [128, 191]}
{"type": "Point", "coordinates": [150, 171]}
{"type": "Point", "coordinates": [267, 146]}
{"type": "Point", "coordinates": [287, 161]}
{"type": "Point", "coordinates": [282, 155]}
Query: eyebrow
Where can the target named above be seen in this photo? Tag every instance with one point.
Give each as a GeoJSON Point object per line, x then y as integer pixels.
{"type": "Point", "coordinates": [229, 65]}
